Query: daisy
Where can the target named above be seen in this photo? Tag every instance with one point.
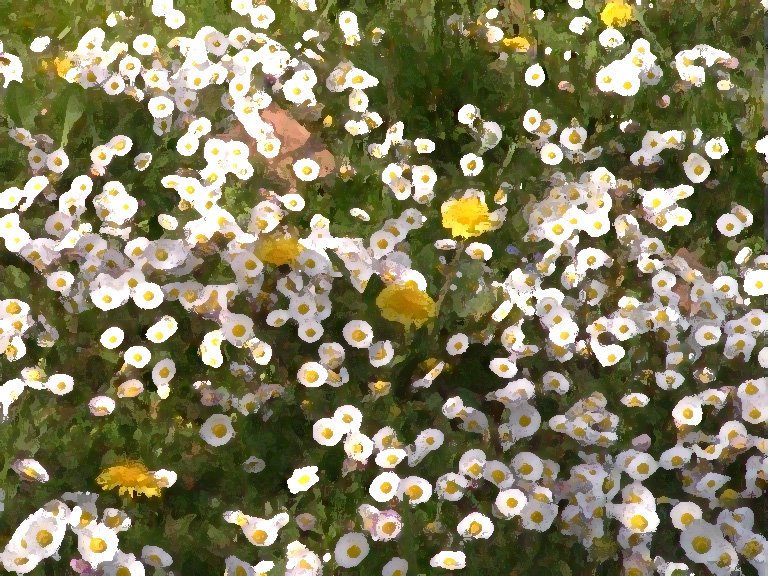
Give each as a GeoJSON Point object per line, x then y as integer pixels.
{"type": "Point", "coordinates": [696, 168]}
{"type": "Point", "coordinates": [471, 164]}
{"type": "Point", "coordinates": [449, 560]}
{"type": "Point", "coordinates": [306, 169]}
{"type": "Point", "coordinates": [351, 549]}
{"type": "Point", "coordinates": [475, 525]}
{"type": "Point", "coordinates": [303, 479]}
{"type": "Point", "coordinates": [534, 75]}
{"type": "Point", "coordinates": [551, 154]}
{"type": "Point", "coordinates": [217, 430]}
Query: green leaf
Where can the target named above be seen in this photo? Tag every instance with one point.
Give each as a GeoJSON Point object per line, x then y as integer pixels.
{"type": "Point", "coordinates": [72, 114]}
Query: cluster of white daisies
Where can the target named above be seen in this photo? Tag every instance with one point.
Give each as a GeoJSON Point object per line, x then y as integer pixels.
{"type": "Point", "coordinates": [688, 308]}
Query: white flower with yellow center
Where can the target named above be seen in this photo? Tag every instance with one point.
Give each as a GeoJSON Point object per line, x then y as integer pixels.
{"type": "Point", "coordinates": [306, 169]}
{"type": "Point", "coordinates": [217, 430]}
{"type": "Point", "coordinates": [511, 502]}
{"type": "Point", "coordinates": [97, 543]}
{"type": "Point", "coordinates": [551, 154]}
{"type": "Point", "coordinates": [351, 549]}
{"type": "Point", "coordinates": [303, 479]}
{"type": "Point", "coordinates": [312, 374]}
{"type": "Point", "coordinates": [384, 487]}
{"type": "Point", "coordinates": [327, 432]}
{"type": "Point", "coordinates": [156, 557]}
{"type": "Point", "coordinates": [390, 457]}
{"type": "Point", "coordinates": [688, 411]}
{"type": "Point", "coordinates": [696, 168]}
{"type": "Point", "coordinates": [449, 560]}
{"type": "Point", "coordinates": [702, 541]}
{"type": "Point", "coordinates": [137, 356]}
{"type": "Point", "coordinates": [534, 76]}
{"type": "Point", "coordinates": [60, 384]}
{"type": "Point", "coordinates": [684, 513]}
{"type": "Point", "coordinates": [147, 295]}
{"type": "Point", "coordinates": [416, 489]}
{"type": "Point", "coordinates": [476, 526]}
{"type": "Point", "coordinates": [358, 333]}
{"type": "Point", "coordinates": [471, 164]}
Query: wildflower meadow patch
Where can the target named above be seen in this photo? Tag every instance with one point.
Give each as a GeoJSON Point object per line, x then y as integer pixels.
{"type": "Point", "coordinates": [387, 287]}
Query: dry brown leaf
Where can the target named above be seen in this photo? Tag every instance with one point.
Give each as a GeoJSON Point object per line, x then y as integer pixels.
{"type": "Point", "coordinates": [296, 142]}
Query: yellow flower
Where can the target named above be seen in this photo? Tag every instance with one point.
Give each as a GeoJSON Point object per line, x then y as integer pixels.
{"type": "Point", "coordinates": [466, 217]}
{"type": "Point", "coordinates": [406, 304]}
{"type": "Point", "coordinates": [278, 251]}
{"type": "Point", "coordinates": [129, 477]}
{"type": "Point", "coordinates": [62, 66]}
{"type": "Point", "coordinates": [616, 13]}
{"type": "Point", "coordinates": [519, 43]}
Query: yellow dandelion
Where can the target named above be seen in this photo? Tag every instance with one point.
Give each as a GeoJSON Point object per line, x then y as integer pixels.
{"type": "Point", "coordinates": [406, 304]}
{"type": "Point", "coordinates": [279, 250]}
{"type": "Point", "coordinates": [62, 65]}
{"type": "Point", "coordinates": [518, 43]}
{"type": "Point", "coordinates": [616, 13]}
{"type": "Point", "coordinates": [129, 477]}
{"type": "Point", "coordinates": [466, 217]}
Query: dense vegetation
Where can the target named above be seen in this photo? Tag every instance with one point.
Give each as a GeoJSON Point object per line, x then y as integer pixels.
{"type": "Point", "coordinates": [419, 285]}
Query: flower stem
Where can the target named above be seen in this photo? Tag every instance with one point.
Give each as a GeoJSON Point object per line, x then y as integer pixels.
{"type": "Point", "coordinates": [453, 267]}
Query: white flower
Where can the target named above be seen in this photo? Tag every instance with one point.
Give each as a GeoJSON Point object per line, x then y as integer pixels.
{"type": "Point", "coordinates": [467, 114]}
{"type": "Point", "coordinates": [358, 333]}
{"type": "Point", "coordinates": [688, 411]}
{"type": "Point", "coordinates": [424, 145]}
{"type": "Point", "coordinates": [532, 120]}
{"type": "Point", "coordinates": [147, 295]}
{"type": "Point", "coordinates": [610, 38]}
{"type": "Point", "coordinates": [579, 25]}
{"type": "Point", "coordinates": [475, 525]}
{"type": "Point", "coordinates": [702, 541]}
{"type": "Point", "coordinates": [111, 338]}
{"type": "Point", "coordinates": [707, 335]}
{"type": "Point", "coordinates": [303, 479]}
{"type": "Point", "coordinates": [511, 502]}
{"type": "Point", "coordinates": [97, 544]}
{"type": "Point", "coordinates": [30, 469]}
{"type": "Point", "coordinates": [187, 145]}
{"type": "Point", "coordinates": [358, 446]}
{"type": "Point", "coordinates": [729, 225]}
{"type": "Point", "coordinates": [449, 560]}
{"type": "Point", "coordinates": [174, 19]}
{"type": "Point", "coordinates": [101, 406]}
{"type": "Point", "coordinates": [395, 567]}
{"type": "Point", "coordinates": [312, 374]}
{"type": "Point", "coordinates": [60, 384]}
{"type": "Point", "coordinates": [351, 549]}
{"type": "Point", "coordinates": [306, 169]}
{"type": "Point", "coordinates": [551, 154]}
{"type": "Point", "coordinates": [471, 164]}
{"type": "Point", "coordinates": [384, 487]}
{"type": "Point", "coordinates": [137, 356]}
{"type": "Point", "coordinates": [40, 43]}
{"type": "Point", "coordinates": [534, 76]}
{"type": "Point", "coordinates": [144, 44]}
{"type": "Point", "coordinates": [756, 282]}
{"type": "Point", "coordinates": [217, 430]}
{"type": "Point", "coordinates": [457, 344]}
{"type": "Point", "coordinates": [262, 16]}
{"type": "Point", "coordinates": [156, 557]}
{"type": "Point", "coordinates": [160, 106]}
{"type": "Point", "coordinates": [327, 431]}
{"type": "Point", "coordinates": [716, 148]}
{"type": "Point", "coordinates": [696, 168]}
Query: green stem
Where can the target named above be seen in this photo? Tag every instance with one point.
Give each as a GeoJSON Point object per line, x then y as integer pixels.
{"type": "Point", "coordinates": [453, 267]}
